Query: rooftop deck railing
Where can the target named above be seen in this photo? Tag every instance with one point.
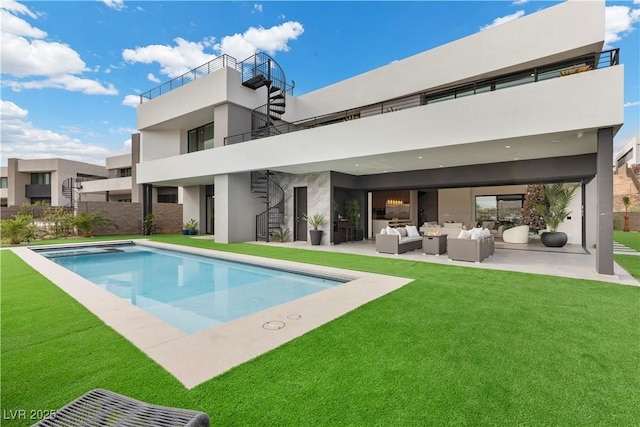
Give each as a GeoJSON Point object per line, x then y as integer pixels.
{"type": "Point", "coordinates": [583, 63]}
{"type": "Point", "coordinates": [191, 75]}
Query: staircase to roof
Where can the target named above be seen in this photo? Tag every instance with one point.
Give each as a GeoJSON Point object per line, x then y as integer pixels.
{"type": "Point", "coordinates": [69, 186]}
{"type": "Point", "coordinates": [260, 70]}
{"type": "Point", "coordinates": [271, 219]}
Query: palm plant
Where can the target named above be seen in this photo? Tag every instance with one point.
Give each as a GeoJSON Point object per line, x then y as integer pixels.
{"type": "Point", "coordinates": [554, 204]}
{"type": "Point", "coordinates": [315, 220]}
{"type": "Point", "coordinates": [86, 222]}
{"type": "Point", "coordinates": [626, 201]}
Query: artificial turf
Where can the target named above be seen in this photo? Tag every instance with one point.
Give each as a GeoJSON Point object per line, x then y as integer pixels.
{"type": "Point", "coordinates": [458, 346]}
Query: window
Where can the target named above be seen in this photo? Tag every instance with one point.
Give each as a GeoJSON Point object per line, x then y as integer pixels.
{"type": "Point", "coordinates": [4, 182]}
{"type": "Point", "coordinates": [124, 172]}
{"type": "Point", "coordinates": [42, 178]}
{"type": "Point", "coordinates": [200, 138]}
{"type": "Point", "coordinates": [505, 209]}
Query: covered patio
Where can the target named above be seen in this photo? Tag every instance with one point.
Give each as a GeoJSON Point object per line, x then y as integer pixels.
{"type": "Point", "coordinates": [570, 261]}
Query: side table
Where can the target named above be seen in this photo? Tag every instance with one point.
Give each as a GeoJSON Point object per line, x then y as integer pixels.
{"type": "Point", "coordinates": [434, 245]}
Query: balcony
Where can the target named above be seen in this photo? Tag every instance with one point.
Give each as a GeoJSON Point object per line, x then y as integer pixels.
{"type": "Point", "coordinates": [37, 190]}
{"type": "Point", "coordinates": [584, 63]}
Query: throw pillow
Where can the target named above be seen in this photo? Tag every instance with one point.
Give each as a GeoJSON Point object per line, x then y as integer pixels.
{"type": "Point", "coordinates": [402, 231]}
{"type": "Point", "coordinates": [464, 234]}
{"type": "Point", "coordinates": [383, 231]}
{"type": "Point", "coordinates": [475, 235]}
{"type": "Point", "coordinates": [412, 231]}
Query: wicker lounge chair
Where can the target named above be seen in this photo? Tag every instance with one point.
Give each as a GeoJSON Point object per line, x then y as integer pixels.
{"type": "Point", "coordinates": [105, 408]}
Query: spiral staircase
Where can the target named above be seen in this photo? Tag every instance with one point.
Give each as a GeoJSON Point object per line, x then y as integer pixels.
{"type": "Point", "coordinates": [261, 70]}
{"type": "Point", "coordinates": [69, 187]}
{"type": "Point", "coordinates": [272, 195]}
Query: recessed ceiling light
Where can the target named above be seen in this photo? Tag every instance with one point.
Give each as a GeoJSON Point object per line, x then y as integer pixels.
{"type": "Point", "coordinates": [419, 157]}
{"type": "Point", "coordinates": [515, 158]}
{"type": "Point", "coordinates": [555, 140]}
{"type": "Point", "coordinates": [507, 146]}
{"type": "Point", "coordinates": [441, 165]}
{"type": "Point", "coordinates": [357, 165]}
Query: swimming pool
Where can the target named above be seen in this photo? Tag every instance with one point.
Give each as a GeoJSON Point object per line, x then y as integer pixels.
{"type": "Point", "coordinates": [191, 292]}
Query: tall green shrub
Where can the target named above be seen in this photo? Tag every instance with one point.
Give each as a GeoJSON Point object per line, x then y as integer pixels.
{"type": "Point", "coordinates": [58, 221]}
{"type": "Point", "coordinates": [19, 229]}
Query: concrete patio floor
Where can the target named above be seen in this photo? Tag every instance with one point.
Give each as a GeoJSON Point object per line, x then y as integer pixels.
{"type": "Point", "coordinates": [571, 261]}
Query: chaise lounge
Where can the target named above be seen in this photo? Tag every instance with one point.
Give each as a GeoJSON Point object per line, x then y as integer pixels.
{"type": "Point", "coordinates": [105, 408]}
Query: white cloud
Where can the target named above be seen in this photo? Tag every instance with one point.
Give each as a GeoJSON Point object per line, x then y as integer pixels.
{"type": "Point", "coordinates": [12, 24]}
{"type": "Point", "coordinates": [174, 60]}
{"type": "Point", "coordinates": [619, 22]}
{"type": "Point", "coordinates": [257, 7]}
{"type": "Point", "coordinates": [131, 101]}
{"type": "Point", "coordinates": [26, 54]}
{"type": "Point", "coordinates": [17, 8]}
{"type": "Point", "coordinates": [66, 82]}
{"type": "Point", "coordinates": [503, 20]}
{"type": "Point", "coordinates": [270, 40]}
{"type": "Point", "coordinates": [519, 2]}
{"type": "Point", "coordinates": [114, 4]}
{"type": "Point", "coordinates": [21, 139]}
{"type": "Point", "coordinates": [186, 55]}
{"type": "Point", "coordinates": [631, 104]}
{"type": "Point", "coordinates": [153, 78]}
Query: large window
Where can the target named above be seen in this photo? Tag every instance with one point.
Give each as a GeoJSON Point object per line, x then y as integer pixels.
{"type": "Point", "coordinates": [4, 182]}
{"type": "Point", "coordinates": [201, 138]}
{"type": "Point", "coordinates": [124, 172]}
{"type": "Point", "coordinates": [506, 209]}
{"type": "Point", "coordinates": [41, 178]}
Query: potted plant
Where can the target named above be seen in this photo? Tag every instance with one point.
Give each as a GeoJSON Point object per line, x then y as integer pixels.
{"type": "Point", "coordinates": [191, 227]}
{"type": "Point", "coordinates": [553, 210]}
{"type": "Point", "coordinates": [315, 220]}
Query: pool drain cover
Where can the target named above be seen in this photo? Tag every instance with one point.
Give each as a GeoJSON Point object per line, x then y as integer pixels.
{"type": "Point", "coordinates": [273, 325]}
{"type": "Point", "coordinates": [294, 317]}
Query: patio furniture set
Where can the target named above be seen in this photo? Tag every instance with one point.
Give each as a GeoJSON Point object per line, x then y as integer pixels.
{"type": "Point", "coordinates": [469, 245]}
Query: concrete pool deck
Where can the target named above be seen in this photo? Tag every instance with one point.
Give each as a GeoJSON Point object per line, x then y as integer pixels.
{"type": "Point", "coordinates": [196, 358]}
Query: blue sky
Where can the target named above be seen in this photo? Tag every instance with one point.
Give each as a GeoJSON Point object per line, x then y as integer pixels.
{"type": "Point", "coordinates": [72, 70]}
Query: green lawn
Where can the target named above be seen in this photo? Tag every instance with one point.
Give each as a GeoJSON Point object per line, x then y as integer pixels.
{"type": "Point", "coordinates": [629, 238]}
{"type": "Point", "coordinates": [458, 346]}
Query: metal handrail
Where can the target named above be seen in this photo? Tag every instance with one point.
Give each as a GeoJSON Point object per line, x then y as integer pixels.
{"type": "Point", "coordinates": [191, 75]}
{"type": "Point", "coordinates": [604, 59]}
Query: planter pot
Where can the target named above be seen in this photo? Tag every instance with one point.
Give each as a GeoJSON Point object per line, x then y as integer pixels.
{"type": "Point", "coordinates": [185, 232]}
{"type": "Point", "coordinates": [193, 232]}
{"type": "Point", "coordinates": [316, 236]}
{"type": "Point", "coordinates": [553, 240]}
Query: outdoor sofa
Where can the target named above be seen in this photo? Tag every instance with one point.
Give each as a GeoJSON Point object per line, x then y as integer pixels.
{"type": "Point", "coordinates": [472, 245]}
{"type": "Point", "coordinates": [398, 240]}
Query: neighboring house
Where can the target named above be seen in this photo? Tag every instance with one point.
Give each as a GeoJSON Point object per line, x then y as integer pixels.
{"type": "Point", "coordinates": [119, 186]}
{"type": "Point", "coordinates": [534, 100]}
{"type": "Point", "coordinates": [54, 181]}
{"type": "Point", "coordinates": [629, 154]}
{"type": "Point", "coordinates": [4, 186]}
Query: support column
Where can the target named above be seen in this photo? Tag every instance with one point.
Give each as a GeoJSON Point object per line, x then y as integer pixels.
{"type": "Point", "coordinates": [604, 181]}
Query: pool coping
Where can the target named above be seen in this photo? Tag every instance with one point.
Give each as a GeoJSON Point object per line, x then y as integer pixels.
{"type": "Point", "coordinates": [195, 358]}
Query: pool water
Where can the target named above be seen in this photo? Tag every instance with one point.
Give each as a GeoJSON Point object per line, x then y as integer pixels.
{"type": "Point", "coordinates": [191, 292]}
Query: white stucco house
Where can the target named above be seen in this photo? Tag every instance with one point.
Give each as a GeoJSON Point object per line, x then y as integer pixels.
{"type": "Point", "coordinates": [535, 100]}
